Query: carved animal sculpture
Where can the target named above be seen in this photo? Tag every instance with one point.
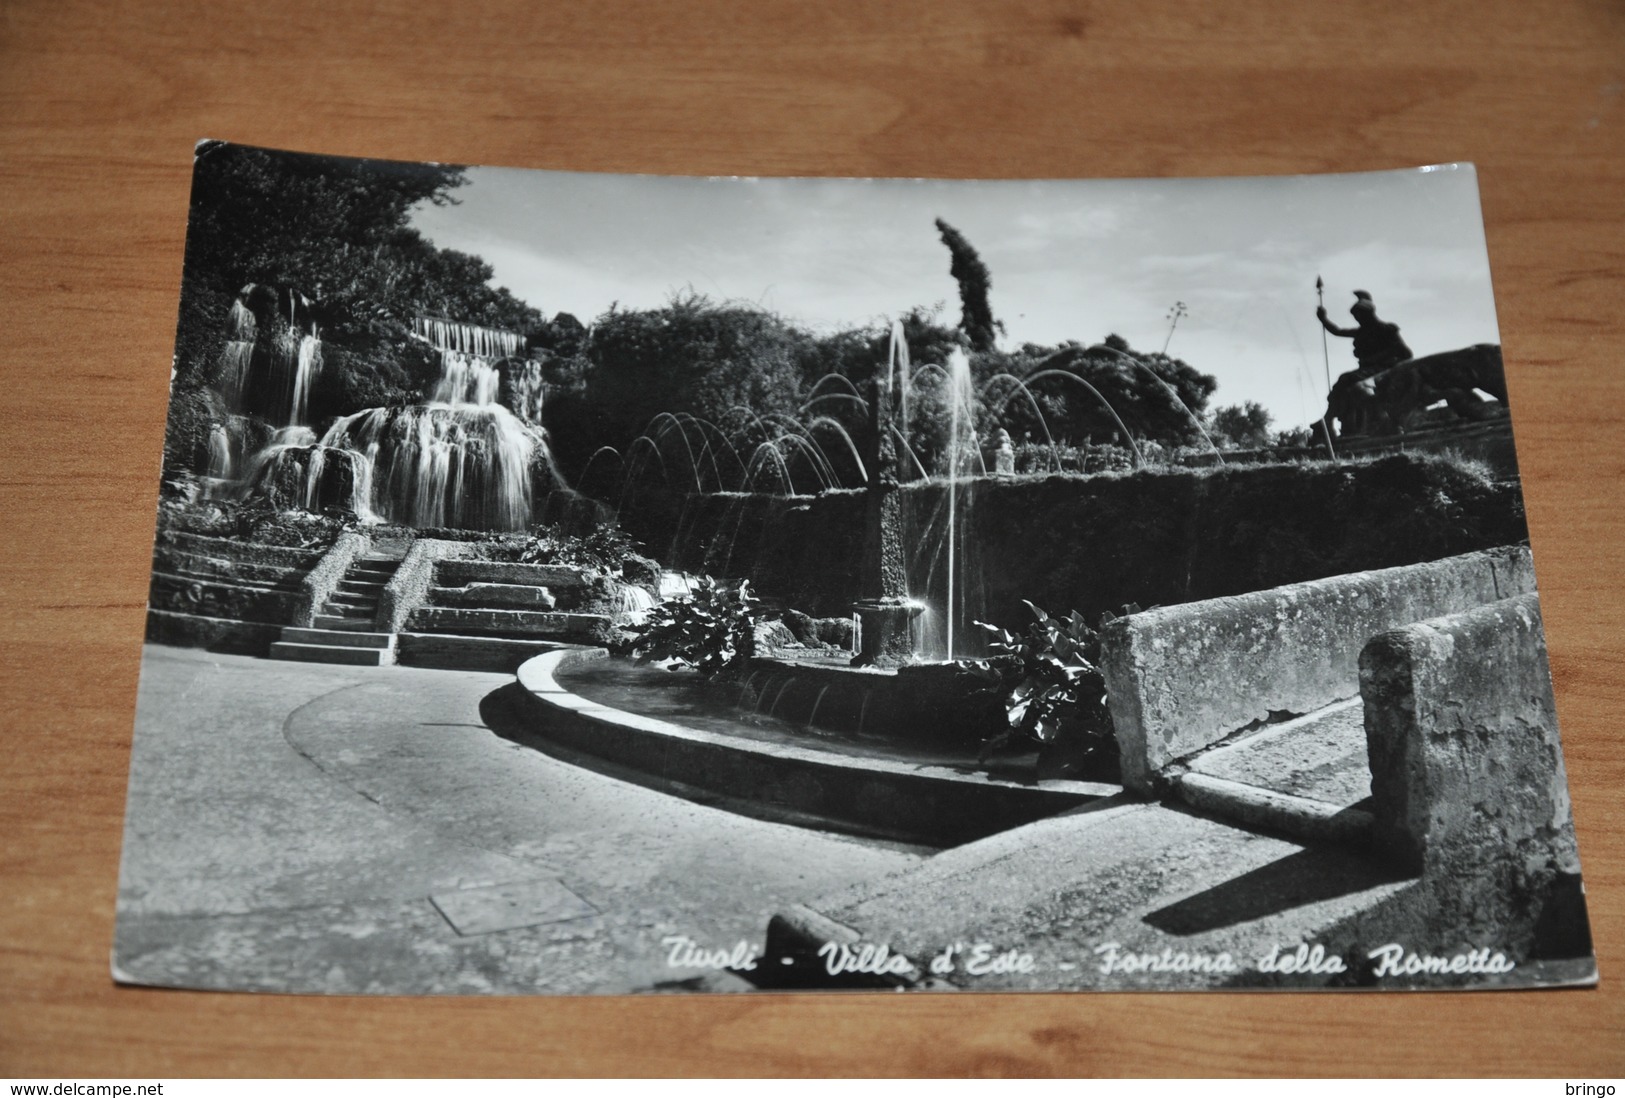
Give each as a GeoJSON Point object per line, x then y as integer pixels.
{"type": "Point", "coordinates": [1452, 376]}
{"type": "Point", "coordinates": [1383, 402]}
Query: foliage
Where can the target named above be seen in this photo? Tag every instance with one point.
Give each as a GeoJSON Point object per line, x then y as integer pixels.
{"type": "Point", "coordinates": [1243, 426]}
{"type": "Point", "coordinates": [711, 630]}
{"type": "Point", "coordinates": [976, 319]}
{"type": "Point", "coordinates": [252, 520]}
{"type": "Point", "coordinates": [1295, 438]}
{"type": "Point", "coordinates": [721, 362]}
{"type": "Point", "coordinates": [338, 231]}
{"type": "Point", "coordinates": [603, 549]}
{"type": "Point", "coordinates": [1156, 397]}
{"type": "Point", "coordinates": [1053, 692]}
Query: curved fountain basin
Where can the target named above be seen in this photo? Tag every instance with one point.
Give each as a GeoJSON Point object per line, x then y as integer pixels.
{"type": "Point", "coordinates": [810, 786]}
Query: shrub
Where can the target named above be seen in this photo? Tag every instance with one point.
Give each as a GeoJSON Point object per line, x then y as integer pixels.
{"type": "Point", "coordinates": [1054, 695]}
{"type": "Point", "coordinates": [604, 548]}
{"type": "Point", "coordinates": [711, 630]}
{"type": "Point", "coordinates": [253, 520]}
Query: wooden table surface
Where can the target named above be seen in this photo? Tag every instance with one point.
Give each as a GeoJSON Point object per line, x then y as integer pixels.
{"type": "Point", "coordinates": [100, 105]}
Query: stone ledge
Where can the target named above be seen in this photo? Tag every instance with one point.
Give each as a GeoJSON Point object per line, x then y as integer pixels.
{"type": "Point", "coordinates": [450, 652]}
{"type": "Point", "coordinates": [182, 630]}
{"type": "Point", "coordinates": [204, 598]}
{"type": "Point", "coordinates": [410, 585]}
{"type": "Point", "coordinates": [1184, 677]}
{"type": "Point", "coordinates": [325, 575]}
{"type": "Point", "coordinates": [460, 573]}
{"type": "Point", "coordinates": [808, 787]}
{"type": "Point", "coordinates": [516, 624]}
{"type": "Point", "coordinates": [1461, 727]}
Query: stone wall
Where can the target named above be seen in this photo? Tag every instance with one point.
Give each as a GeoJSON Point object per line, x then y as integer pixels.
{"type": "Point", "coordinates": [1470, 792]}
{"type": "Point", "coordinates": [1094, 543]}
{"type": "Point", "coordinates": [223, 594]}
{"type": "Point", "coordinates": [1466, 763]}
{"type": "Point", "coordinates": [1181, 678]}
{"type": "Point", "coordinates": [409, 587]}
{"type": "Point", "coordinates": [323, 579]}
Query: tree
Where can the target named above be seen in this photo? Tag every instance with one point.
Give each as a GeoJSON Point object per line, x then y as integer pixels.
{"type": "Point", "coordinates": [976, 319]}
{"type": "Point", "coordinates": [337, 231]}
{"type": "Point", "coordinates": [726, 364]}
{"type": "Point", "coordinates": [1242, 426]}
{"type": "Point", "coordinates": [1155, 396]}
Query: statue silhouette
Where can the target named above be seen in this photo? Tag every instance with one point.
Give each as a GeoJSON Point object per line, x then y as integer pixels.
{"type": "Point", "coordinates": [1377, 344]}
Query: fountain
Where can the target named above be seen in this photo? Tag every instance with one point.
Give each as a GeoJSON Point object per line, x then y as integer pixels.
{"type": "Point", "coordinates": [921, 469]}
{"type": "Point", "coordinates": [467, 457]}
{"type": "Point", "coordinates": [274, 354]}
{"type": "Point", "coordinates": [462, 459]}
{"type": "Point", "coordinates": [885, 613]}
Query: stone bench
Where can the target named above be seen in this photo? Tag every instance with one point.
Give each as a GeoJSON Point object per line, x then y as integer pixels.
{"type": "Point", "coordinates": [1461, 725]}
{"type": "Point", "coordinates": [1470, 792]}
{"type": "Point", "coordinates": [1182, 678]}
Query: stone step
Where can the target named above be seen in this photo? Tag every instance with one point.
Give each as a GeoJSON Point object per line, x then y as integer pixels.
{"type": "Point", "coordinates": [352, 598]}
{"type": "Point", "coordinates": [459, 573]}
{"type": "Point", "coordinates": [494, 596]}
{"type": "Point", "coordinates": [289, 581]}
{"type": "Point", "coordinates": [330, 653]}
{"type": "Point", "coordinates": [361, 586]}
{"type": "Point", "coordinates": [444, 650]}
{"type": "Point", "coordinates": [534, 624]}
{"type": "Point", "coordinates": [218, 599]}
{"type": "Point", "coordinates": [1301, 818]}
{"type": "Point", "coordinates": [181, 562]}
{"type": "Point", "coordinates": [341, 637]}
{"type": "Point", "coordinates": [348, 625]}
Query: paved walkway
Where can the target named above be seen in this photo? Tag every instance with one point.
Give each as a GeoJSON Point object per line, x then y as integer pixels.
{"type": "Point", "coordinates": [289, 824]}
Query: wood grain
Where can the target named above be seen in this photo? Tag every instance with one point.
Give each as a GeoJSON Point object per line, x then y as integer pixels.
{"type": "Point", "coordinates": [100, 105]}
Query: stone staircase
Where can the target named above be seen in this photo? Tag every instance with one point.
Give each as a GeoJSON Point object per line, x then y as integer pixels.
{"type": "Point", "coordinates": [343, 629]}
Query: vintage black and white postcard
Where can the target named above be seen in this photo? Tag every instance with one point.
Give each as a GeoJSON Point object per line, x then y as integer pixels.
{"type": "Point", "coordinates": [574, 583]}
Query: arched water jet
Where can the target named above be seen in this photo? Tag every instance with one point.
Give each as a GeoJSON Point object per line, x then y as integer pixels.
{"type": "Point", "coordinates": [859, 401]}
{"type": "Point", "coordinates": [846, 437]}
{"type": "Point", "coordinates": [759, 458]}
{"type": "Point", "coordinates": [1038, 413]}
{"type": "Point", "coordinates": [1134, 448]}
{"type": "Point", "coordinates": [1172, 394]}
{"type": "Point", "coordinates": [852, 389]}
{"type": "Point", "coordinates": [713, 434]}
{"type": "Point", "coordinates": [669, 422]}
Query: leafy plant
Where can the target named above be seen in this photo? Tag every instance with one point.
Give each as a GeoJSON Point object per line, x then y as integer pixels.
{"type": "Point", "coordinates": [1053, 692]}
{"type": "Point", "coordinates": [712, 630]}
{"type": "Point", "coordinates": [604, 549]}
{"type": "Point", "coordinates": [253, 520]}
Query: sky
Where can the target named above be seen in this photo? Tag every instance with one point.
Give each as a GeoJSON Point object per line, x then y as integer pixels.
{"type": "Point", "coordinates": [1070, 259]}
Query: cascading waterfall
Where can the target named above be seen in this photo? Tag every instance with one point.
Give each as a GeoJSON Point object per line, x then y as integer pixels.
{"type": "Point", "coordinates": [302, 362]}
{"type": "Point", "coordinates": [219, 452]}
{"type": "Point", "coordinates": [465, 379]}
{"type": "Point", "coordinates": [272, 357]}
{"type": "Point", "coordinates": [442, 464]}
{"type": "Point", "coordinates": [468, 339]}
{"type": "Point", "coordinates": [235, 361]}
{"type": "Point", "coordinates": [284, 439]}
{"type": "Point", "coordinates": [524, 386]}
{"type": "Point", "coordinates": [461, 459]}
